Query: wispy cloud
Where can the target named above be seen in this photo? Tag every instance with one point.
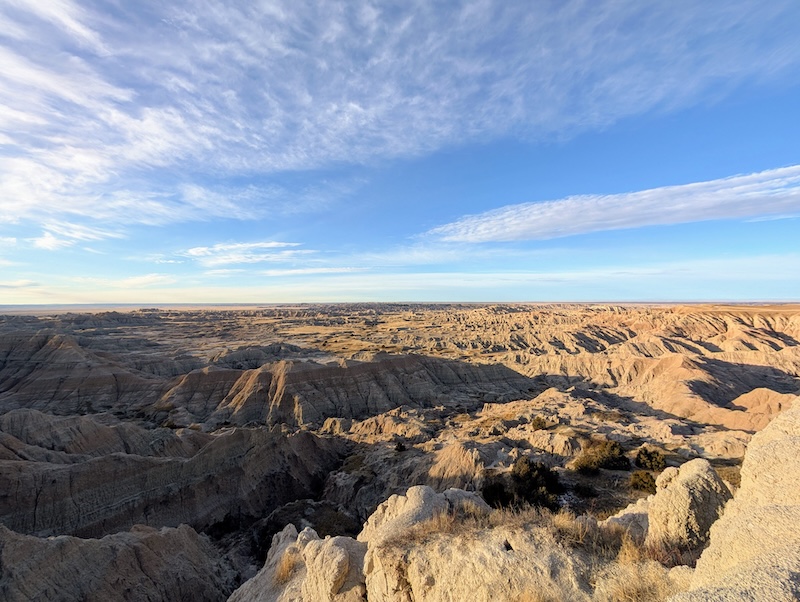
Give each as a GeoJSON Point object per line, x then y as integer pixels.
{"type": "Point", "coordinates": [18, 284]}
{"type": "Point", "coordinates": [109, 115]}
{"type": "Point", "coordinates": [250, 252]}
{"type": "Point", "coordinates": [61, 235]}
{"type": "Point", "coordinates": [311, 271]}
{"type": "Point", "coordinates": [773, 192]}
{"type": "Point", "coordinates": [129, 283]}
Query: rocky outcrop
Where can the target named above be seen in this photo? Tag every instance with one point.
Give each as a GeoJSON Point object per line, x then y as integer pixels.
{"type": "Point", "coordinates": [142, 564]}
{"type": "Point", "coordinates": [686, 503]}
{"type": "Point", "coordinates": [79, 437]}
{"type": "Point", "coordinates": [679, 515]}
{"type": "Point", "coordinates": [306, 393]}
{"type": "Point", "coordinates": [405, 561]}
{"type": "Point", "coordinates": [754, 550]}
{"type": "Point", "coordinates": [241, 473]}
{"type": "Point", "coordinates": [301, 566]}
{"type": "Point", "coordinates": [53, 373]}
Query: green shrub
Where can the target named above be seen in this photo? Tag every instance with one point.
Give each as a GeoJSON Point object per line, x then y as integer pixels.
{"type": "Point", "coordinates": [651, 459]}
{"type": "Point", "coordinates": [643, 481]}
{"type": "Point", "coordinates": [535, 483]}
{"type": "Point", "coordinates": [528, 483]}
{"type": "Point", "coordinates": [538, 423]}
{"type": "Point", "coordinates": [585, 491]}
{"type": "Point", "coordinates": [601, 454]}
{"type": "Point", "coordinates": [495, 494]}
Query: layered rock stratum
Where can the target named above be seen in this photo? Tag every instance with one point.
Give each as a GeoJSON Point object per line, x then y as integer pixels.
{"type": "Point", "coordinates": [125, 436]}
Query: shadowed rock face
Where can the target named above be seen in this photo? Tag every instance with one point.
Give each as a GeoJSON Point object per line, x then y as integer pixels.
{"type": "Point", "coordinates": [54, 374]}
{"type": "Point", "coordinates": [299, 394]}
{"type": "Point", "coordinates": [240, 474]}
{"type": "Point", "coordinates": [143, 564]}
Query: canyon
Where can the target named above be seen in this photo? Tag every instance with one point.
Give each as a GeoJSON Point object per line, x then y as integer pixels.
{"type": "Point", "coordinates": [186, 453]}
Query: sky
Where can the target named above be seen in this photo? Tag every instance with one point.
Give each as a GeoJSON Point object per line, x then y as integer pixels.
{"type": "Point", "coordinates": [290, 151]}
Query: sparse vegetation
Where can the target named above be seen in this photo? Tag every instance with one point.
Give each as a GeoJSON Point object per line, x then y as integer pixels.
{"type": "Point", "coordinates": [640, 582]}
{"type": "Point", "coordinates": [585, 491]}
{"type": "Point", "coordinates": [601, 454]}
{"type": "Point", "coordinates": [643, 481]}
{"type": "Point", "coordinates": [610, 416]}
{"type": "Point", "coordinates": [566, 528]}
{"type": "Point", "coordinates": [528, 483]}
{"type": "Point", "coordinates": [287, 566]}
{"type": "Point", "coordinates": [538, 423]}
{"type": "Point", "coordinates": [650, 459]}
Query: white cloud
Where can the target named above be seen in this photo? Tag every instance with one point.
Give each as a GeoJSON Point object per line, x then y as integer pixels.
{"type": "Point", "coordinates": [764, 277]}
{"type": "Point", "coordinates": [252, 252]}
{"type": "Point", "coordinates": [80, 232]}
{"type": "Point", "coordinates": [61, 235]}
{"type": "Point", "coordinates": [128, 284]}
{"type": "Point", "coordinates": [146, 280]}
{"type": "Point", "coordinates": [108, 114]}
{"type": "Point", "coordinates": [18, 284]}
{"type": "Point", "coordinates": [50, 243]}
{"type": "Point", "coordinates": [773, 192]}
{"type": "Point", "coordinates": [311, 271]}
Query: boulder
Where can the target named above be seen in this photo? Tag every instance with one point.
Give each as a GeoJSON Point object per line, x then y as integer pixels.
{"type": "Point", "coordinates": [754, 550]}
{"type": "Point", "coordinates": [400, 512]}
{"type": "Point", "coordinates": [687, 502]}
{"type": "Point", "coordinates": [303, 567]}
{"type": "Point", "coordinates": [334, 570]}
{"type": "Point", "coordinates": [678, 516]}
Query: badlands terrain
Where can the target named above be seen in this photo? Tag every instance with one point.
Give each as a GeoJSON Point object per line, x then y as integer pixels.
{"type": "Point", "coordinates": [400, 452]}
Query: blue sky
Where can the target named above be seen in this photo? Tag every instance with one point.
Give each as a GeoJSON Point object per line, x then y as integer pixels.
{"type": "Point", "coordinates": [196, 152]}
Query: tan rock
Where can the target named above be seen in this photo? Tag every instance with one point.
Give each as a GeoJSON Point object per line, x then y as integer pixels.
{"type": "Point", "coordinates": [687, 502]}
{"type": "Point", "coordinates": [754, 550]}
{"type": "Point", "coordinates": [142, 564]}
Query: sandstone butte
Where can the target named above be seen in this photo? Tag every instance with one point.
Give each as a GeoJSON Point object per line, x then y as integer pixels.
{"type": "Point", "coordinates": [392, 452]}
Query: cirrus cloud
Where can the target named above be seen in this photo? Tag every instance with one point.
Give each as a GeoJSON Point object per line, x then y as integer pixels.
{"type": "Point", "coordinates": [774, 193]}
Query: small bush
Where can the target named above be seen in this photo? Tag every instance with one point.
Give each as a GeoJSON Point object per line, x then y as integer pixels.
{"type": "Point", "coordinates": [535, 483]}
{"type": "Point", "coordinates": [585, 491]}
{"type": "Point", "coordinates": [650, 459]}
{"type": "Point", "coordinates": [643, 481]}
{"type": "Point", "coordinates": [496, 495]}
{"type": "Point", "coordinates": [287, 565]}
{"type": "Point", "coordinates": [601, 454]}
{"type": "Point", "coordinates": [528, 483]}
{"type": "Point", "coordinates": [399, 446]}
{"type": "Point", "coordinates": [538, 423]}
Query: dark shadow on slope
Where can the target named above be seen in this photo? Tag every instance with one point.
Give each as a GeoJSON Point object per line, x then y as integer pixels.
{"type": "Point", "coordinates": [730, 380]}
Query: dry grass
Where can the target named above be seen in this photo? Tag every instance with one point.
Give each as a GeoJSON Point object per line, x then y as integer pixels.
{"type": "Point", "coordinates": [287, 566]}
{"type": "Point", "coordinates": [537, 596]}
{"type": "Point", "coordinates": [566, 528]}
{"type": "Point", "coordinates": [641, 582]}
{"type": "Point", "coordinates": [633, 552]}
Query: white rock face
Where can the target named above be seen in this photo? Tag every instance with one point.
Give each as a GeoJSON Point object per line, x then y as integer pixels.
{"type": "Point", "coordinates": [634, 519]}
{"type": "Point", "coordinates": [687, 502]}
{"type": "Point", "coordinates": [400, 512]}
{"type": "Point", "coordinates": [264, 587]}
{"type": "Point", "coordinates": [494, 565]}
{"type": "Point", "coordinates": [334, 570]}
{"type": "Point", "coordinates": [326, 570]}
{"type": "Point", "coordinates": [754, 552]}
